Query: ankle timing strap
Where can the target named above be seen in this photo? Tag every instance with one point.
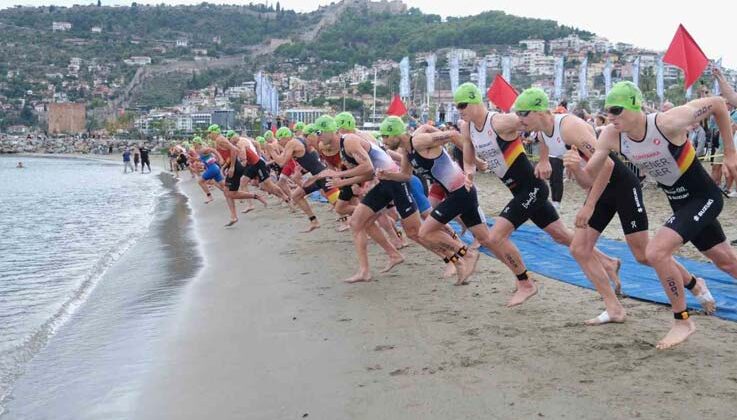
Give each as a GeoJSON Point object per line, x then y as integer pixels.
{"type": "Point", "coordinates": [313, 218]}
{"type": "Point", "coordinates": [691, 284]}
{"type": "Point", "coordinates": [343, 218]}
{"type": "Point", "coordinates": [523, 276]}
{"type": "Point", "coordinates": [455, 257]}
{"type": "Point", "coordinates": [681, 315]}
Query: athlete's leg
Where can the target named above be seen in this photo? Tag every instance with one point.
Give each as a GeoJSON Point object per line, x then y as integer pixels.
{"type": "Point", "coordinates": [298, 197]}
{"type": "Point", "coordinates": [660, 255]}
{"type": "Point", "coordinates": [360, 221]}
{"type": "Point", "coordinates": [433, 236]}
{"type": "Point", "coordinates": [497, 240]}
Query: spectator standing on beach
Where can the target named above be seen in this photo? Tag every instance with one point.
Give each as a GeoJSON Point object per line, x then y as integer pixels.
{"type": "Point", "coordinates": [697, 135]}
{"type": "Point", "coordinates": [144, 158]}
{"type": "Point", "coordinates": [136, 159]}
{"type": "Point", "coordinates": [127, 161]}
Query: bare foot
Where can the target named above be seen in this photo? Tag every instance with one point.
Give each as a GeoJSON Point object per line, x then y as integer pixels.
{"type": "Point", "coordinates": [231, 223]}
{"type": "Point", "coordinates": [247, 210]}
{"type": "Point", "coordinates": [473, 258]}
{"type": "Point", "coordinates": [464, 269]}
{"type": "Point", "coordinates": [209, 199]}
{"type": "Point", "coordinates": [358, 278]}
{"type": "Point", "coordinates": [313, 225]}
{"type": "Point", "coordinates": [343, 227]}
{"type": "Point", "coordinates": [681, 330]}
{"type": "Point", "coordinates": [703, 295]}
{"type": "Point", "coordinates": [393, 262]}
{"type": "Point", "coordinates": [450, 271]}
{"type": "Point", "coordinates": [525, 290]}
{"type": "Point", "coordinates": [606, 318]}
{"type": "Point", "coordinates": [475, 244]}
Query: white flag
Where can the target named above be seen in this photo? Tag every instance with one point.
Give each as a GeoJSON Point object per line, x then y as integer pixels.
{"type": "Point", "coordinates": [454, 66]}
{"type": "Point", "coordinates": [430, 73]}
{"type": "Point", "coordinates": [481, 83]}
{"type": "Point", "coordinates": [559, 68]}
{"type": "Point", "coordinates": [507, 69]}
{"type": "Point", "coordinates": [717, 64]}
{"type": "Point", "coordinates": [636, 71]}
{"type": "Point", "coordinates": [404, 80]}
{"type": "Point", "coordinates": [689, 92]}
{"type": "Point", "coordinates": [607, 75]}
{"type": "Point", "coordinates": [659, 82]}
{"type": "Point", "coordinates": [583, 91]}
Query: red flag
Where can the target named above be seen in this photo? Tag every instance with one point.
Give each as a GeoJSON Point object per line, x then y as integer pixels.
{"type": "Point", "coordinates": [501, 93]}
{"type": "Point", "coordinates": [273, 129]}
{"type": "Point", "coordinates": [396, 108]}
{"type": "Point", "coordinates": [685, 53]}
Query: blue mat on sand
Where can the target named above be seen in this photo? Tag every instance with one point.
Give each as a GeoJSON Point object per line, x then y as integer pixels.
{"type": "Point", "coordinates": [543, 255]}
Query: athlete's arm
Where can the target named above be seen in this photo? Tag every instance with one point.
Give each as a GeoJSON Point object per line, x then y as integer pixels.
{"type": "Point", "coordinates": [469, 155]}
{"type": "Point", "coordinates": [675, 122]}
{"type": "Point", "coordinates": [354, 148]}
{"type": "Point", "coordinates": [426, 141]}
{"type": "Point", "coordinates": [507, 126]}
{"type": "Point", "coordinates": [608, 141]}
{"type": "Point", "coordinates": [458, 142]}
{"type": "Point", "coordinates": [282, 158]}
{"type": "Point", "coordinates": [406, 169]}
{"type": "Point", "coordinates": [543, 168]}
{"type": "Point", "coordinates": [727, 92]}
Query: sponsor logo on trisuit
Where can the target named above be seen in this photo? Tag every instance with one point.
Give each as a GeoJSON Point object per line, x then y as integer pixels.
{"type": "Point", "coordinates": [531, 199]}
{"type": "Point", "coordinates": [637, 201]}
{"type": "Point", "coordinates": [703, 210]}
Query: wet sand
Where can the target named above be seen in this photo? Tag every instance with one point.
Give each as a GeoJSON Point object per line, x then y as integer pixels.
{"type": "Point", "coordinates": [269, 331]}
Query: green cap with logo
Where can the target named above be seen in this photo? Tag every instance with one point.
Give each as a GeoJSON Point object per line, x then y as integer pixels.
{"type": "Point", "coordinates": [260, 139]}
{"type": "Point", "coordinates": [214, 128]}
{"type": "Point", "coordinates": [468, 93]}
{"type": "Point", "coordinates": [392, 126]}
{"type": "Point", "coordinates": [197, 140]}
{"type": "Point", "coordinates": [532, 99]}
{"type": "Point", "coordinates": [326, 124]}
{"type": "Point", "coordinates": [230, 134]}
{"type": "Point", "coordinates": [625, 94]}
{"type": "Point", "coordinates": [310, 129]}
{"type": "Point", "coordinates": [346, 121]}
{"type": "Point", "coordinates": [283, 133]}
{"type": "Point", "coordinates": [299, 126]}
{"type": "Point", "coordinates": [268, 135]}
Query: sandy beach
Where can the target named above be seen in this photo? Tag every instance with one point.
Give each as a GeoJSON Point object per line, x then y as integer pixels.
{"type": "Point", "coordinates": [269, 331]}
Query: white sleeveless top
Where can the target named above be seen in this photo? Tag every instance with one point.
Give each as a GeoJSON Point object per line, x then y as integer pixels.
{"type": "Point", "coordinates": [500, 155]}
{"type": "Point", "coordinates": [555, 143]}
{"type": "Point", "coordinates": [655, 154]}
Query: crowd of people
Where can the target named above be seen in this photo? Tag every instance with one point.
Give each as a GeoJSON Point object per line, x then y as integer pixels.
{"type": "Point", "coordinates": [424, 178]}
{"type": "Point", "coordinates": [140, 156]}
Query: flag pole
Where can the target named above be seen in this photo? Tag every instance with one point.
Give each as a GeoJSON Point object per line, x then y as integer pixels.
{"type": "Point", "coordinates": [373, 120]}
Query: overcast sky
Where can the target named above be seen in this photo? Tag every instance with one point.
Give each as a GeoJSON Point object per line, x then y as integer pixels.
{"type": "Point", "coordinates": [649, 24]}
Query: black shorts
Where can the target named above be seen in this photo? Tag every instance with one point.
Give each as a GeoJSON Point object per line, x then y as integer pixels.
{"type": "Point", "coordinates": [623, 197]}
{"type": "Point", "coordinates": [234, 182]}
{"type": "Point", "coordinates": [317, 185]}
{"type": "Point", "coordinates": [182, 160]}
{"type": "Point", "coordinates": [258, 170]}
{"type": "Point", "coordinates": [530, 202]}
{"type": "Point", "coordinates": [385, 192]}
{"type": "Point", "coordinates": [695, 219]}
{"type": "Point", "coordinates": [276, 168]}
{"type": "Point", "coordinates": [459, 202]}
{"type": "Point", "coordinates": [346, 193]}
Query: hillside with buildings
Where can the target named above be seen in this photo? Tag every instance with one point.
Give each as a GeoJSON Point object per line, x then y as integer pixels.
{"type": "Point", "coordinates": [165, 71]}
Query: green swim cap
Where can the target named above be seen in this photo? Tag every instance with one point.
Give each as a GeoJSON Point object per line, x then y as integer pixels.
{"type": "Point", "coordinates": [214, 128]}
{"type": "Point", "coordinates": [532, 99]}
{"type": "Point", "coordinates": [197, 140]}
{"type": "Point", "coordinates": [376, 135]}
{"type": "Point", "coordinates": [468, 93]}
{"type": "Point", "coordinates": [230, 134]}
{"type": "Point", "coordinates": [261, 140]}
{"type": "Point", "coordinates": [283, 133]}
{"type": "Point", "coordinates": [310, 129]}
{"type": "Point", "coordinates": [346, 121]}
{"type": "Point", "coordinates": [625, 94]}
{"type": "Point", "coordinates": [187, 145]}
{"type": "Point", "coordinates": [392, 126]}
{"type": "Point", "coordinates": [268, 135]}
{"type": "Point", "coordinates": [326, 124]}
{"type": "Point", "coordinates": [299, 126]}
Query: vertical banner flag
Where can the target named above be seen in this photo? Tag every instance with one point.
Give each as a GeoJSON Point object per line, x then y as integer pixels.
{"type": "Point", "coordinates": [454, 66]}
{"type": "Point", "coordinates": [607, 75]}
{"type": "Point", "coordinates": [559, 68]}
{"type": "Point", "coordinates": [686, 54]}
{"type": "Point", "coordinates": [275, 102]}
{"type": "Point", "coordinates": [404, 81]}
{"type": "Point", "coordinates": [259, 88]}
{"type": "Point", "coordinates": [507, 68]}
{"type": "Point", "coordinates": [481, 83]}
{"type": "Point", "coordinates": [636, 71]}
{"type": "Point", "coordinates": [430, 73]}
{"type": "Point", "coordinates": [451, 113]}
{"type": "Point", "coordinates": [659, 83]}
{"type": "Point", "coordinates": [583, 91]}
{"type": "Point", "coordinates": [717, 64]}
{"type": "Point", "coordinates": [689, 92]}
